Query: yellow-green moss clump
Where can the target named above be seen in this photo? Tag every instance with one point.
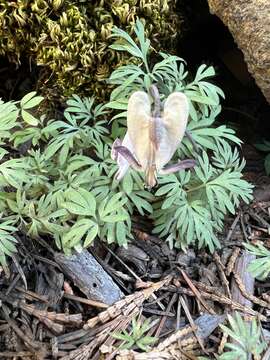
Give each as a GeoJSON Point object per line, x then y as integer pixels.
{"type": "Point", "coordinates": [70, 38]}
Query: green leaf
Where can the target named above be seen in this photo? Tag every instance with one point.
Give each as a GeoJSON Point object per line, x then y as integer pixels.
{"type": "Point", "coordinates": [121, 233]}
{"type": "Point", "coordinates": [80, 202]}
{"type": "Point", "coordinates": [7, 240]}
{"type": "Point", "coordinates": [14, 172]}
{"type": "Point", "coordinates": [119, 104]}
{"type": "Point", "coordinates": [125, 42]}
{"type": "Point", "coordinates": [194, 96]}
{"type": "Point", "coordinates": [32, 103]}
{"type": "Point", "coordinates": [140, 203]}
{"type": "Point", "coordinates": [27, 98]}
{"type": "Point", "coordinates": [247, 339]}
{"type": "Point", "coordinates": [28, 118]}
{"type": "Point", "coordinates": [260, 267]}
{"type": "Point", "coordinates": [110, 209]}
{"type": "Point", "coordinates": [204, 72]}
{"type": "Point", "coordinates": [82, 228]}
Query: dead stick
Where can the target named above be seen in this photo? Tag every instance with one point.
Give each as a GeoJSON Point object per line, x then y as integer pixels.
{"type": "Point", "coordinates": [163, 319]}
{"type": "Point", "coordinates": [196, 293]}
{"type": "Point", "coordinates": [192, 324]}
{"type": "Point", "coordinates": [232, 260]}
{"type": "Point", "coordinates": [223, 278]}
{"type": "Point", "coordinates": [90, 302]}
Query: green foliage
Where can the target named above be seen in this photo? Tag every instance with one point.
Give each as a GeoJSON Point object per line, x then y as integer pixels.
{"type": "Point", "coordinates": [57, 175]}
{"type": "Point", "coordinates": [64, 184]}
{"type": "Point", "coordinates": [259, 267]}
{"type": "Point", "coordinates": [7, 240]}
{"type": "Point", "coordinates": [136, 338]}
{"type": "Point", "coordinates": [193, 206]}
{"type": "Point", "coordinates": [77, 130]}
{"type": "Point", "coordinates": [265, 146]}
{"type": "Point", "coordinates": [170, 75]}
{"type": "Point", "coordinates": [70, 39]}
{"type": "Point", "coordinates": [247, 336]}
{"type": "Point", "coordinates": [96, 216]}
{"type": "Point", "coordinates": [190, 206]}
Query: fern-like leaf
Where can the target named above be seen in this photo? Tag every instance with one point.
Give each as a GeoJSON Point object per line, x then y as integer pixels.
{"type": "Point", "coordinates": [260, 267]}
{"type": "Point", "coordinates": [7, 240]}
{"type": "Point", "coordinates": [247, 336]}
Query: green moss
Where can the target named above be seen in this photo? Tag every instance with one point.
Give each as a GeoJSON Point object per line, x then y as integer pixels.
{"type": "Point", "coordinates": [70, 39]}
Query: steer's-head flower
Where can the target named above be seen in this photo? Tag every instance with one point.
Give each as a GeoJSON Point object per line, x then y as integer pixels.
{"type": "Point", "coordinates": [152, 136]}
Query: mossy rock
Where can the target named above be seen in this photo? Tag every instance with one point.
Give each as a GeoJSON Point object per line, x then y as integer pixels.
{"type": "Point", "coordinates": [70, 39]}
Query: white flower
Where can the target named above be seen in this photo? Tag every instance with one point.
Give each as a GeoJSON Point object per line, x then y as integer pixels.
{"type": "Point", "coordinates": [152, 136]}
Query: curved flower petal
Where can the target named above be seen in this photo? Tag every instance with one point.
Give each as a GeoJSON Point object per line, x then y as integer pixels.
{"type": "Point", "coordinates": [122, 163]}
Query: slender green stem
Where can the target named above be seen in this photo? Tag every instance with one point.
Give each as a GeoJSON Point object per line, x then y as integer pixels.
{"type": "Point", "coordinates": [146, 66]}
{"type": "Point", "coordinates": [196, 188]}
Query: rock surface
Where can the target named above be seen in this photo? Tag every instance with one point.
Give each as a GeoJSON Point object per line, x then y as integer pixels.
{"type": "Point", "coordinates": [249, 24]}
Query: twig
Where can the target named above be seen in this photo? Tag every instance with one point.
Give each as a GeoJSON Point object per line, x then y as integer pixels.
{"type": "Point", "coordinates": [158, 312]}
{"type": "Point", "coordinates": [47, 261]}
{"type": "Point", "coordinates": [163, 319]}
{"type": "Point", "coordinates": [15, 355]}
{"type": "Point", "coordinates": [217, 297]}
{"type": "Point", "coordinates": [192, 324]}
{"type": "Point", "coordinates": [250, 297]}
{"type": "Point", "coordinates": [122, 263]}
{"type": "Point", "coordinates": [187, 355]}
{"type": "Point", "coordinates": [13, 284]}
{"type": "Point", "coordinates": [243, 226]}
{"type": "Point", "coordinates": [32, 295]}
{"type": "Point", "coordinates": [232, 228]}
{"type": "Point", "coordinates": [89, 302]}
{"type": "Point", "coordinates": [232, 260]}
{"type": "Point", "coordinates": [196, 293]}
{"type": "Point", "coordinates": [222, 343]}
{"type": "Point", "coordinates": [133, 273]}
{"type": "Point", "coordinates": [20, 270]}
{"type": "Point", "coordinates": [178, 316]}
{"type": "Point", "coordinates": [174, 337]}
{"type": "Point", "coordinates": [223, 278]}
{"type": "Point", "coordinates": [258, 218]}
